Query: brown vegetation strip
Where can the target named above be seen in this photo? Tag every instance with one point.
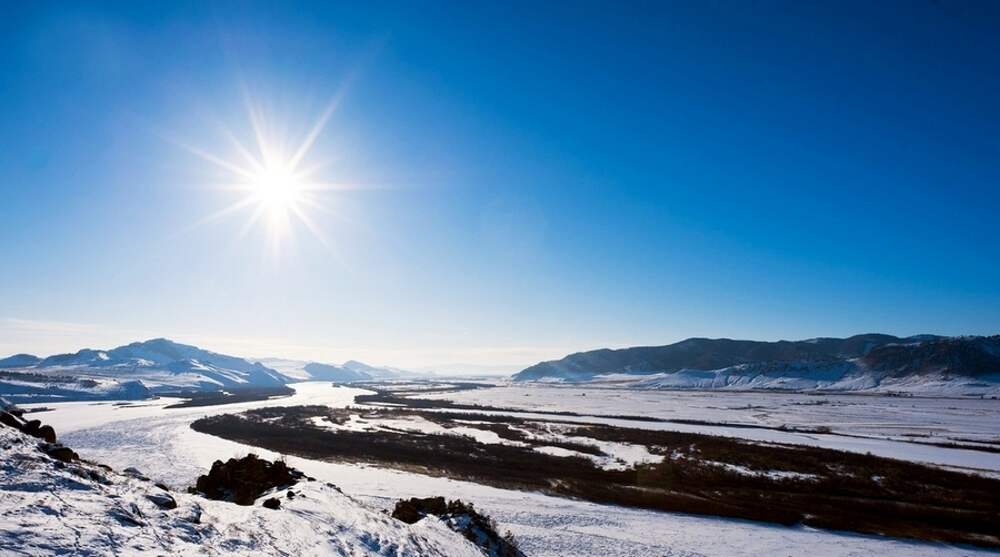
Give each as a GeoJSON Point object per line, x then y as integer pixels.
{"type": "Point", "coordinates": [218, 398]}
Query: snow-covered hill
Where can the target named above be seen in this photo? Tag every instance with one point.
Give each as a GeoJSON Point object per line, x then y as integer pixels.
{"type": "Point", "coordinates": [50, 507]}
{"type": "Point", "coordinates": [155, 366]}
{"type": "Point", "coordinates": [928, 365]}
{"type": "Point", "coordinates": [348, 372]}
{"type": "Point", "coordinates": [801, 376]}
{"type": "Point", "coordinates": [19, 360]}
{"type": "Point", "coordinates": [381, 372]}
{"type": "Point", "coordinates": [28, 387]}
{"type": "Point", "coordinates": [201, 367]}
{"type": "Point", "coordinates": [159, 365]}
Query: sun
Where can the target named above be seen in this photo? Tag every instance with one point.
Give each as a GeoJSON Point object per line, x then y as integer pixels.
{"type": "Point", "coordinates": [271, 182]}
{"type": "Point", "coordinates": [278, 189]}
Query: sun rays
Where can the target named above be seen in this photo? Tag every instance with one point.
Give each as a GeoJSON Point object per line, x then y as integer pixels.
{"type": "Point", "coordinates": [274, 183]}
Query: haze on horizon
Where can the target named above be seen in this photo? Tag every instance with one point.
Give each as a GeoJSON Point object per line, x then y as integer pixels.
{"type": "Point", "coordinates": [603, 179]}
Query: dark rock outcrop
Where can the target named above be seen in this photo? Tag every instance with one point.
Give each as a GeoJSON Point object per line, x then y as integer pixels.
{"type": "Point", "coordinates": [462, 518]}
{"type": "Point", "coordinates": [162, 500]}
{"type": "Point", "coordinates": [412, 510]}
{"type": "Point", "coordinates": [135, 473]}
{"type": "Point", "coordinates": [12, 416]}
{"type": "Point", "coordinates": [10, 420]}
{"type": "Point", "coordinates": [31, 427]}
{"type": "Point", "coordinates": [47, 434]}
{"type": "Point", "coordinates": [272, 503]}
{"type": "Point", "coordinates": [243, 480]}
{"type": "Point", "coordinates": [59, 452]}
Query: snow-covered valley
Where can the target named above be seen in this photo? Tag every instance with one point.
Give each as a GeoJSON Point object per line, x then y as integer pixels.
{"type": "Point", "coordinates": [161, 444]}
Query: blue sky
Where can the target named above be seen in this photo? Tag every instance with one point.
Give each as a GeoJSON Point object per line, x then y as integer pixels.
{"type": "Point", "coordinates": [524, 181]}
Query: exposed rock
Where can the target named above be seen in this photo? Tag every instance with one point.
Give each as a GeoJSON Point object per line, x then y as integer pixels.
{"type": "Point", "coordinates": [47, 434]}
{"type": "Point", "coordinates": [195, 516]}
{"type": "Point", "coordinates": [131, 516]}
{"type": "Point", "coordinates": [59, 452]}
{"type": "Point", "coordinates": [412, 510]}
{"type": "Point", "coordinates": [135, 473]}
{"type": "Point", "coordinates": [162, 500]}
{"type": "Point", "coordinates": [88, 473]}
{"type": "Point", "coordinates": [462, 518]}
{"type": "Point", "coordinates": [11, 416]}
{"type": "Point", "coordinates": [98, 477]}
{"type": "Point", "coordinates": [243, 480]}
{"type": "Point", "coordinates": [31, 427]}
{"type": "Point", "coordinates": [10, 420]}
{"type": "Point", "coordinates": [272, 503]}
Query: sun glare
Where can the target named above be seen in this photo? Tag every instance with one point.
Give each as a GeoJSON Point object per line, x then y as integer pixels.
{"type": "Point", "coordinates": [271, 183]}
{"type": "Point", "coordinates": [278, 190]}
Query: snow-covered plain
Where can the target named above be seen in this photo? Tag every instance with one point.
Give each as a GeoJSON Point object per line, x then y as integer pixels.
{"type": "Point", "coordinates": [161, 444]}
{"type": "Point", "coordinates": [893, 427]}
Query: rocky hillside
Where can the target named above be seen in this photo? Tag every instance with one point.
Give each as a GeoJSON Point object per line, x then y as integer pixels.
{"type": "Point", "coordinates": [51, 502]}
{"type": "Point", "coordinates": [967, 365]}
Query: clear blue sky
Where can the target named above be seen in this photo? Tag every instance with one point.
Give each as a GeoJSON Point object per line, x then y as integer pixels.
{"type": "Point", "coordinates": [527, 180]}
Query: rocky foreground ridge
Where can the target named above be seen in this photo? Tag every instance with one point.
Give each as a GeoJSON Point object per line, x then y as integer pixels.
{"type": "Point", "coordinates": [54, 502]}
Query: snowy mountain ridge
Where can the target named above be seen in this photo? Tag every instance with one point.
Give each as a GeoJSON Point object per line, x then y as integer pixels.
{"type": "Point", "coordinates": [156, 366]}
{"type": "Point", "coordinates": [348, 372]}
{"type": "Point", "coordinates": [924, 364]}
{"type": "Point", "coordinates": [135, 370]}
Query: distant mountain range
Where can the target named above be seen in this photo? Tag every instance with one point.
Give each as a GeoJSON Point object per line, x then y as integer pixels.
{"type": "Point", "coordinates": [348, 372]}
{"type": "Point", "coordinates": [140, 369]}
{"type": "Point", "coordinates": [922, 364]}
